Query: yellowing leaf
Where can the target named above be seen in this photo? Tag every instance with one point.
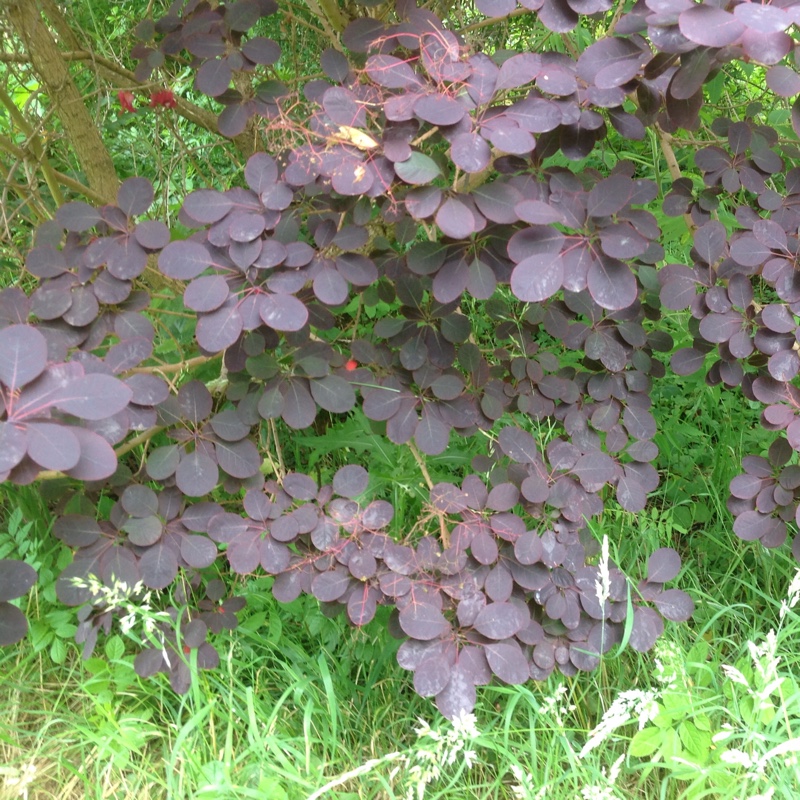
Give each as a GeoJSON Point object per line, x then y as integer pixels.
{"type": "Point", "coordinates": [361, 140]}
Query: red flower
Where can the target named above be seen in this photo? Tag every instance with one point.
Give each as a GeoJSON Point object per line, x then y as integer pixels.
{"type": "Point", "coordinates": [126, 101]}
{"type": "Point", "coordinates": [163, 97]}
{"type": "Point", "coordinates": [351, 365]}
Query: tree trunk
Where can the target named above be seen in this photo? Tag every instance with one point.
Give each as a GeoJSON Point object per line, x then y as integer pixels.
{"type": "Point", "coordinates": [80, 128]}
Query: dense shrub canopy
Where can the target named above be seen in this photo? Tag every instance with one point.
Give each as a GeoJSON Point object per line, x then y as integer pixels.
{"type": "Point", "coordinates": [434, 239]}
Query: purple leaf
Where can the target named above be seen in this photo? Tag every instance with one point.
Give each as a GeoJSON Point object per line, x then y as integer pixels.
{"type": "Point", "coordinates": [535, 115]}
{"type": "Point", "coordinates": [350, 481]}
{"type": "Point", "coordinates": [239, 459]}
{"type": "Point", "coordinates": [519, 445]}
{"type": "Point", "coordinates": [752, 525]}
{"type": "Point", "coordinates": [274, 557]}
{"type": "Point", "coordinates": [196, 474]}
{"type": "Point", "coordinates": [333, 394]}
{"type": "Point", "coordinates": [283, 312]}
{"type": "Point", "coordinates": [207, 206]}
{"type": "Point", "coordinates": [391, 72]}
{"type": "Point", "coordinates": [431, 676]}
{"type": "Point", "coordinates": [448, 286]}
{"type": "Point", "coordinates": [76, 530]}
{"type": "Point", "coordinates": [262, 50]}
{"type": "Point", "coordinates": [219, 329]}
{"type": "Point", "coordinates": [663, 565]}
{"type": "Point", "coordinates": [497, 201]}
{"type": "Point", "coordinates": [674, 605]}
{"type": "Point", "coordinates": [594, 470]}
{"type": "Point", "coordinates": [611, 284]}
{"type": "Point", "coordinates": [13, 624]}
{"type": "Point", "coordinates": [764, 19]}
{"type": "Point", "coordinates": [496, 8]}
{"type": "Point", "coordinates": [53, 446]}
{"type": "Point", "coordinates": [511, 139]}
{"type": "Point", "coordinates": [139, 501]}
{"type": "Point", "coordinates": [710, 26]}
{"type": "Point", "coordinates": [518, 70]}
{"type": "Point", "coordinates": [212, 78]}
{"type": "Point", "coordinates": [343, 108]}
{"type": "Point", "coordinates": [77, 216]}
{"type": "Point", "coordinates": [334, 64]}
{"type": "Point", "coordinates": [470, 152]}
{"type": "Point", "coordinates": [233, 119]}
{"type": "Point", "coordinates": [16, 578]}
{"type": "Point", "coordinates": [439, 110]}
{"type": "Point", "coordinates": [23, 355]}
{"type": "Point", "coordinates": [538, 277]}
{"type": "Point", "coordinates": [241, 15]}
{"type": "Point", "coordinates": [362, 605]}
{"type": "Point", "coordinates": [611, 62]}
{"type": "Point", "coordinates": [455, 219]}
{"type": "Point", "coordinates": [423, 621]}
{"type": "Point", "coordinates": [500, 620]}
{"type": "Point", "coordinates": [508, 662]}
{"type": "Point", "coordinates": [299, 486]}
{"type": "Point", "coordinates": [135, 196]}
{"type": "Point", "coordinates": [528, 548]}
{"type": "Point", "coordinates": [97, 460]}
{"type": "Point", "coordinates": [195, 401]}
{"type": "Point", "coordinates": [422, 203]}
{"type": "Point", "coordinates": [93, 397]}
{"type": "Point", "coordinates": [782, 80]}
{"type": "Point", "coordinates": [158, 567]}
{"type": "Point", "coordinates": [631, 495]}
{"type": "Point", "coordinates": [184, 260]}
{"type": "Point", "coordinates": [206, 293]}
{"type": "Point", "coordinates": [458, 697]}
{"type": "Point", "coordinates": [144, 531]}
{"type": "Point", "coordinates": [330, 287]}
{"type": "Point", "coordinates": [299, 408]}
{"type": "Point", "coordinates": [647, 627]}
{"type": "Point", "coordinates": [431, 435]}
{"type": "Point", "coordinates": [244, 553]}
{"type": "Point", "coordinates": [13, 445]}
{"type": "Point", "coordinates": [330, 586]}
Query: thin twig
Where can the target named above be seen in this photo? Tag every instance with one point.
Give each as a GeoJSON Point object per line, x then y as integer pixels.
{"type": "Point", "coordinates": [179, 367]}
{"type": "Point", "coordinates": [281, 471]}
{"type": "Point", "coordinates": [444, 532]}
{"type": "Point", "coordinates": [665, 142]}
{"type": "Point", "coordinates": [492, 21]}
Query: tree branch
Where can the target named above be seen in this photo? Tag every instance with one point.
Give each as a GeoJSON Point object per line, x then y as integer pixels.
{"type": "Point", "coordinates": [65, 180]}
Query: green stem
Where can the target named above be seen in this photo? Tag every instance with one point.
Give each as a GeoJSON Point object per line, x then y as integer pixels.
{"type": "Point", "coordinates": [35, 144]}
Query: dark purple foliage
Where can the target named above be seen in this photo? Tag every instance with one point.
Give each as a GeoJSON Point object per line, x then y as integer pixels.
{"type": "Point", "coordinates": [424, 135]}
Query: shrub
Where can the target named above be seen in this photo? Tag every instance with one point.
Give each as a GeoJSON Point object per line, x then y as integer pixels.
{"type": "Point", "coordinates": [414, 250]}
